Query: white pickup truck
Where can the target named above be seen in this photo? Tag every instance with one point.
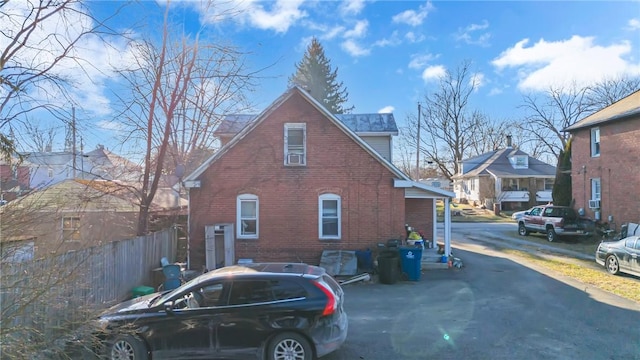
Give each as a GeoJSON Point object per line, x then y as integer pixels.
{"type": "Point", "coordinates": [553, 221]}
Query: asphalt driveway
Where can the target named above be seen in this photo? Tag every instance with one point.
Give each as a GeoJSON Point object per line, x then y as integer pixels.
{"type": "Point", "coordinates": [492, 308]}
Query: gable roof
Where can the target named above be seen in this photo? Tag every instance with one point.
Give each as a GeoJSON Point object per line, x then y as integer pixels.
{"type": "Point", "coordinates": [269, 110]}
{"type": "Point", "coordinates": [497, 163]}
{"type": "Point", "coordinates": [253, 122]}
{"type": "Point", "coordinates": [361, 124]}
{"type": "Point", "coordinates": [621, 110]}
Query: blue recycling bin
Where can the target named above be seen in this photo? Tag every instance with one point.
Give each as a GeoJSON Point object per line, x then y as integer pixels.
{"type": "Point", "coordinates": [411, 262]}
{"type": "Point", "coordinates": [172, 274]}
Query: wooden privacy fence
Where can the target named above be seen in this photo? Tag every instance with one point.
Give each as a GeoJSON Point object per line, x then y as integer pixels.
{"type": "Point", "coordinates": [41, 298]}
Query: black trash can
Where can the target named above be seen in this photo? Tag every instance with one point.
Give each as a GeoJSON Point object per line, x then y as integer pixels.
{"type": "Point", "coordinates": [388, 266]}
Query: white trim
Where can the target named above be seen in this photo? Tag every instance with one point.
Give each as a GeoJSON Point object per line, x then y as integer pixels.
{"type": "Point", "coordinates": [593, 133]}
{"type": "Point", "coordinates": [287, 153]}
{"type": "Point", "coordinates": [322, 198]}
{"type": "Point", "coordinates": [437, 192]}
{"type": "Point", "coordinates": [241, 198]}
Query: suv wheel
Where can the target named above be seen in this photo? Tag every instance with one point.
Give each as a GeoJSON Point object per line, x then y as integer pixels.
{"type": "Point", "coordinates": [127, 347]}
{"type": "Point", "coordinates": [289, 346]}
{"type": "Point", "coordinates": [551, 235]}
{"type": "Point", "coordinates": [522, 230]}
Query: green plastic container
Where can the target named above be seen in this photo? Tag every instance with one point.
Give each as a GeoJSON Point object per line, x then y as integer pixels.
{"type": "Point", "coordinates": [142, 290]}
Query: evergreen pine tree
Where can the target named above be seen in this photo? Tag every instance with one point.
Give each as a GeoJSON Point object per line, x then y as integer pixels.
{"type": "Point", "coordinates": [314, 74]}
{"type": "Point", "coordinates": [561, 193]}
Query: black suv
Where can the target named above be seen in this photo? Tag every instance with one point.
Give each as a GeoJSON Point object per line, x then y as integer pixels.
{"type": "Point", "coordinates": [263, 310]}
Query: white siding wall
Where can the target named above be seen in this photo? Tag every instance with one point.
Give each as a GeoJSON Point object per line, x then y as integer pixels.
{"type": "Point", "coordinates": [382, 144]}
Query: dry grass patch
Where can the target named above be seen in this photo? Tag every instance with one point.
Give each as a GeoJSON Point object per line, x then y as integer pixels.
{"type": "Point", "coordinates": [585, 246]}
{"type": "Point", "coordinates": [582, 271]}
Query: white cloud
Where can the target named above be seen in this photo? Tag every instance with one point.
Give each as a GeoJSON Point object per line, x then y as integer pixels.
{"type": "Point", "coordinates": [351, 7]}
{"type": "Point", "coordinates": [413, 37]}
{"type": "Point", "coordinates": [433, 73]}
{"type": "Point", "coordinates": [110, 125]}
{"type": "Point", "coordinates": [354, 49]}
{"type": "Point", "coordinates": [420, 61]}
{"type": "Point", "coordinates": [277, 15]}
{"type": "Point", "coordinates": [634, 24]}
{"type": "Point", "coordinates": [477, 81]}
{"type": "Point", "coordinates": [358, 31]}
{"type": "Point", "coordinates": [413, 17]}
{"type": "Point", "coordinates": [495, 91]}
{"type": "Point", "coordinates": [86, 65]}
{"type": "Point", "coordinates": [467, 34]}
{"type": "Point", "coordinates": [577, 61]}
{"type": "Point", "coordinates": [393, 40]}
{"type": "Point", "coordinates": [386, 110]}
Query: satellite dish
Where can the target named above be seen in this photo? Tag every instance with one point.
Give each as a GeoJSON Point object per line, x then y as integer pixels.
{"type": "Point", "coordinates": [179, 171]}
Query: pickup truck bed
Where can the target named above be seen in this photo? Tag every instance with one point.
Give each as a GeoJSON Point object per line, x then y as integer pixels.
{"type": "Point", "coordinates": [554, 221]}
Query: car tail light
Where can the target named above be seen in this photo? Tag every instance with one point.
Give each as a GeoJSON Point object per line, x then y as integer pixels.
{"type": "Point", "coordinates": [331, 305]}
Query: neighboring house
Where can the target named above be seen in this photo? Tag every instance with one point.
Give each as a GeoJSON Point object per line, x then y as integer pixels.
{"type": "Point", "coordinates": [74, 214]}
{"type": "Point", "coordinates": [605, 153]}
{"type": "Point", "coordinates": [508, 177]}
{"type": "Point", "coordinates": [48, 168]}
{"type": "Point", "coordinates": [438, 182]}
{"type": "Point", "coordinates": [296, 180]}
{"type": "Point", "coordinates": [14, 180]}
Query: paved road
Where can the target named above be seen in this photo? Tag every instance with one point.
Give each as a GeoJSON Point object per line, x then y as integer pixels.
{"type": "Point", "coordinates": [493, 308]}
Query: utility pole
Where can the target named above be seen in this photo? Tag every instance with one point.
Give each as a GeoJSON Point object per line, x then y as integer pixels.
{"type": "Point", "coordinates": [418, 147]}
{"type": "Point", "coordinates": [73, 131]}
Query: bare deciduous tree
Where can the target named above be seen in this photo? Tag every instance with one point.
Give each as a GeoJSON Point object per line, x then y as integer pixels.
{"type": "Point", "coordinates": [179, 91]}
{"type": "Point", "coordinates": [39, 40]}
{"type": "Point", "coordinates": [452, 126]}
{"type": "Point", "coordinates": [559, 107]}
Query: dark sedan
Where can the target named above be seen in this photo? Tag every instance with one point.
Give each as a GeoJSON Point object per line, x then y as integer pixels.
{"type": "Point", "coordinates": [266, 311]}
{"type": "Point", "coordinates": [620, 256]}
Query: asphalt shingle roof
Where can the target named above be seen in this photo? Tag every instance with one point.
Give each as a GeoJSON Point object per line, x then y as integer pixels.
{"type": "Point", "coordinates": [358, 123]}
{"type": "Point", "coordinates": [497, 163]}
{"type": "Point", "coordinates": [622, 109]}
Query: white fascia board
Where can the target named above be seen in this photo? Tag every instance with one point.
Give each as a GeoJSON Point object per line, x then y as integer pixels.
{"type": "Point", "coordinates": [400, 183]}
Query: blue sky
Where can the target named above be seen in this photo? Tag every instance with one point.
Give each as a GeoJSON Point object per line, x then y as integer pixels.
{"type": "Point", "coordinates": [390, 53]}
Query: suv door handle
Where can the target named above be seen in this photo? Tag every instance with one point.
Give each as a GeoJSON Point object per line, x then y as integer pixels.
{"type": "Point", "coordinates": [228, 324]}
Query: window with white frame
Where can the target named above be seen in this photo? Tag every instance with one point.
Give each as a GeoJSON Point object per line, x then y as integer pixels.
{"type": "Point", "coordinates": [247, 216]}
{"type": "Point", "coordinates": [50, 173]}
{"type": "Point", "coordinates": [595, 142]}
{"type": "Point", "coordinates": [71, 228]}
{"type": "Point", "coordinates": [329, 216]}
{"type": "Point", "coordinates": [295, 144]}
{"type": "Point", "coordinates": [595, 189]}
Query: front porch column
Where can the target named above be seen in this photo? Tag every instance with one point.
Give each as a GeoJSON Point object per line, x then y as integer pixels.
{"type": "Point", "coordinates": [434, 238]}
{"type": "Point", "coordinates": [447, 227]}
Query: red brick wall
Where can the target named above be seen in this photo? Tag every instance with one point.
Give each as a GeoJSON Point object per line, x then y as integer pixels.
{"type": "Point", "coordinates": [618, 168]}
{"type": "Point", "coordinates": [419, 215]}
{"type": "Point", "coordinates": [372, 209]}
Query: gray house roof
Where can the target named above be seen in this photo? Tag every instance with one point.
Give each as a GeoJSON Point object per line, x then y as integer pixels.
{"type": "Point", "coordinates": [361, 124]}
{"type": "Point", "coordinates": [497, 163]}
{"type": "Point", "coordinates": [623, 109]}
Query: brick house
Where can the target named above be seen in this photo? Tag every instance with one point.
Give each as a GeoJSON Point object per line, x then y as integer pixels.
{"type": "Point", "coordinates": [296, 180]}
{"type": "Point", "coordinates": [605, 153]}
{"type": "Point", "coordinates": [508, 177]}
{"type": "Point", "coordinates": [14, 179]}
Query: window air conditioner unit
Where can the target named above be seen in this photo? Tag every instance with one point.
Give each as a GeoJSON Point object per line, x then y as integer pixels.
{"type": "Point", "coordinates": [295, 159]}
{"type": "Point", "coordinates": [594, 204]}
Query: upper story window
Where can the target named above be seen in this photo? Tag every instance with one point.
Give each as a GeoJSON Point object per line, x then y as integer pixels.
{"type": "Point", "coordinates": [519, 161]}
{"type": "Point", "coordinates": [50, 173]}
{"type": "Point", "coordinates": [247, 216]}
{"type": "Point", "coordinates": [295, 144]}
{"type": "Point", "coordinates": [595, 142]}
{"type": "Point", "coordinates": [595, 189]}
{"type": "Point", "coordinates": [71, 228]}
{"type": "Point", "coordinates": [330, 217]}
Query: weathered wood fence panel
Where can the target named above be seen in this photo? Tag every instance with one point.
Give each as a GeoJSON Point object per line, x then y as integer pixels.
{"type": "Point", "coordinates": [41, 298]}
